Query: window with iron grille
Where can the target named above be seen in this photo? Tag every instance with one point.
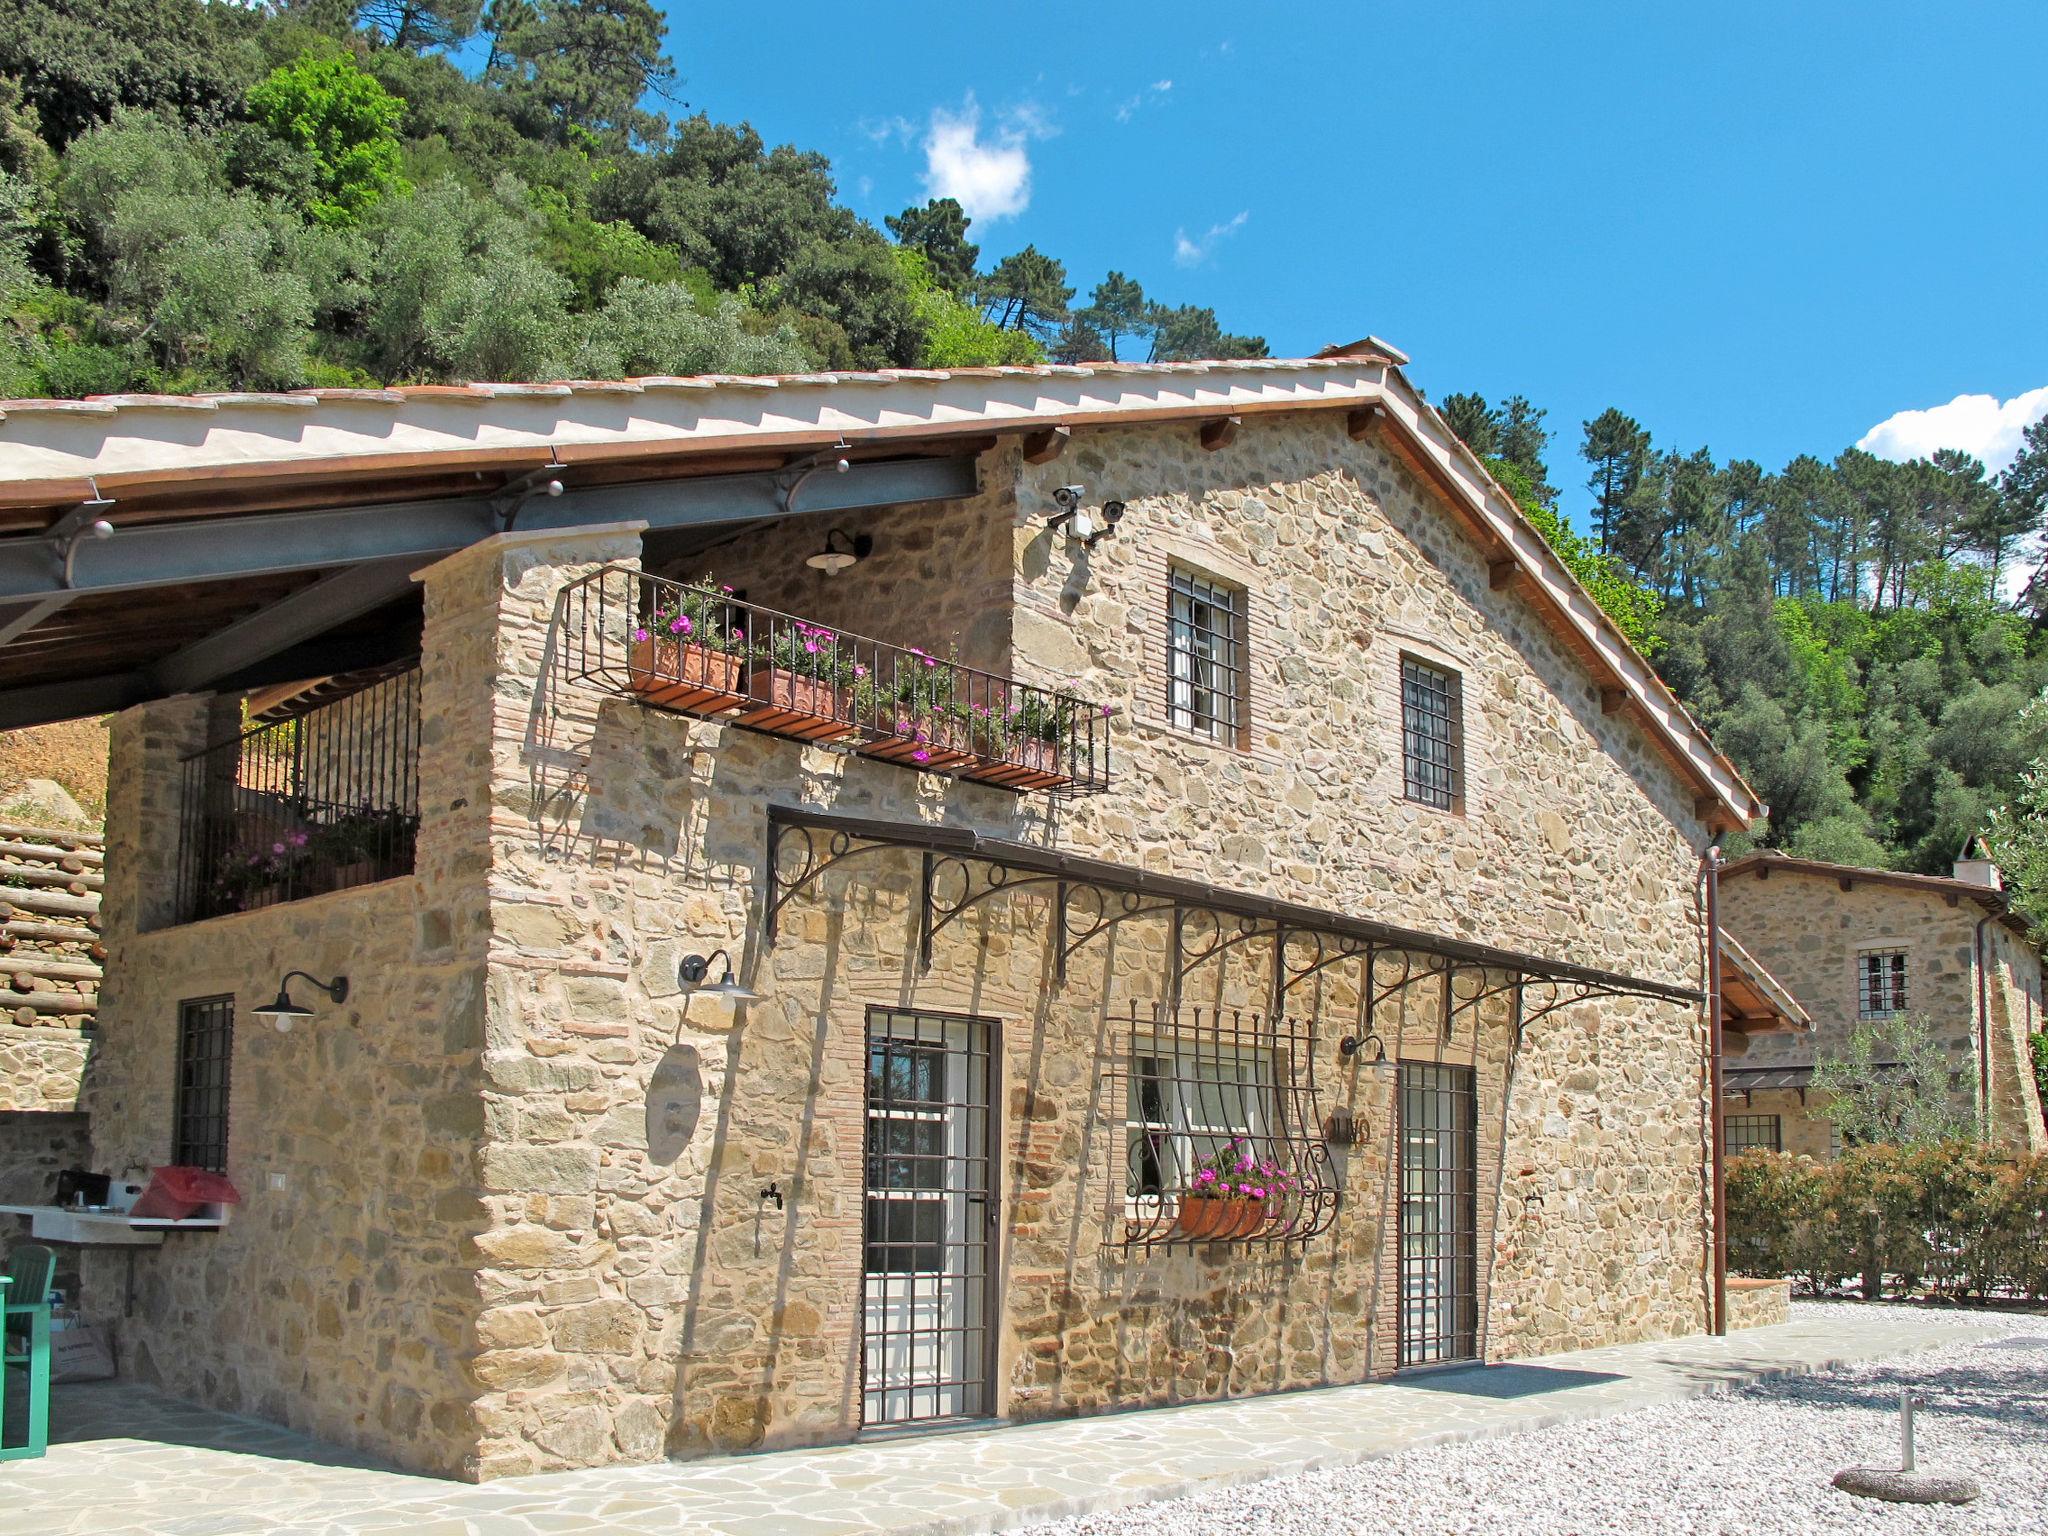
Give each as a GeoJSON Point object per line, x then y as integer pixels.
{"type": "Point", "coordinates": [1432, 738]}
{"type": "Point", "coordinates": [206, 1040]}
{"type": "Point", "coordinates": [1880, 983]}
{"type": "Point", "coordinates": [1204, 656]}
{"type": "Point", "coordinates": [1754, 1133]}
{"type": "Point", "coordinates": [1186, 1108]}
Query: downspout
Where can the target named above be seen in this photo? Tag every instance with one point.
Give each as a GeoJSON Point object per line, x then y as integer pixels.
{"type": "Point", "coordinates": [1711, 862]}
{"type": "Point", "coordinates": [1983, 1035]}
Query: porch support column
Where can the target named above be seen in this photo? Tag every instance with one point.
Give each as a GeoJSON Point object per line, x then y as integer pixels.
{"type": "Point", "coordinates": [504, 751]}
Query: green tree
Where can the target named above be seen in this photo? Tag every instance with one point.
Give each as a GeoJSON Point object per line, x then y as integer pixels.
{"type": "Point", "coordinates": [459, 290]}
{"type": "Point", "coordinates": [345, 122]}
{"type": "Point", "coordinates": [1476, 423]}
{"type": "Point", "coordinates": [1027, 292]}
{"type": "Point", "coordinates": [1188, 333]}
{"type": "Point", "coordinates": [733, 208]}
{"type": "Point", "coordinates": [2024, 490]}
{"type": "Point", "coordinates": [956, 335]}
{"type": "Point", "coordinates": [938, 232]}
{"type": "Point", "coordinates": [859, 293]}
{"type": "Point", "coordinates": [1889, 1086]}
{"type": "Point", "coordinates": [1618, 449]}
{"type": "Point", "coordinates": [418, 25]}
{"type": "Point", "coordinates": [661, 328]}
{"type": "Point", "coordinates": [579, 65]}
{"type": "Point", "coordinates": [1117, 312]}
{"type": "Point", "coordinates": [2017, 832]}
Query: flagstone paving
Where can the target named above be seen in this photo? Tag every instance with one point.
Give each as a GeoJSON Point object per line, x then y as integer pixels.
{"type": "Point", "coordinates": [132, 1461]}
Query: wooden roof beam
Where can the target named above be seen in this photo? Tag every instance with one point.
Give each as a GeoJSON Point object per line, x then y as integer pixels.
{"type": "Point", "coordinates": [1043, 447]}
{"type": "Point", "coordinates": [1220, 433]}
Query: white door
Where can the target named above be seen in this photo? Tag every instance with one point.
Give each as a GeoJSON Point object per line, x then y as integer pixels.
{"type": "Point", "coordinates": [929, 1218]}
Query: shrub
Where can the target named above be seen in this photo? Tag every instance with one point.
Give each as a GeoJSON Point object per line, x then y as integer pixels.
{"type": "Point", "coordinates": [1958, 1219]}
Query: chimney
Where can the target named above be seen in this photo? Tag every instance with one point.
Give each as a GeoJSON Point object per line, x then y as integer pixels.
{"type": "Point", "coordinates": [1975, 865]}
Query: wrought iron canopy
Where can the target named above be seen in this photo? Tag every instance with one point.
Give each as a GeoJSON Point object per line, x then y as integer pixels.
{"type": "Point", "coordinates": [961, 868]}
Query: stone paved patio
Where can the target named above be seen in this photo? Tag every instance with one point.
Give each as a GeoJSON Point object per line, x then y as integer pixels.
{"type": "Point", "coordinates": [133, 1461]}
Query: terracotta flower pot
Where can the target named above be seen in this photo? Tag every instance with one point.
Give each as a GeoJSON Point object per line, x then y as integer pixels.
{"type": "Point", "coordinates": [678, 675]}
{"type": "Point", "coordinates": [790, 704]}
{"type": "Point", "coordinates": [945, 744]}
{"type": "Point", "coordinates": [1023, 762]}
{"type": "Point", "coordinates": [1215, 1219]}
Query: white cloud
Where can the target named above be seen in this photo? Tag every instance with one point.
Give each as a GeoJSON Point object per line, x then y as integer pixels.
{"type": "Point", "coordinates": [1981, 425]}
{"type": "Point", "coordinates": [1189, 253]}
{"type": "Point", "coordinates": [991, 177]}
{"type": "Point", "coordinates": [1129, 107]}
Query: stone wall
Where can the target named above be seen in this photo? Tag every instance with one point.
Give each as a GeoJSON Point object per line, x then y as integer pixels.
{"type": "Point", "coordinates": [341, 1297]}
{"type": "Point", "coordinates": [641, 1294]}
{"type": "Point", "coordinates": [523, 1222]}
{"type": "Point", "coordinates": [1758, 1302]}
{"type": "Point", "coordinates": [1808, 931]}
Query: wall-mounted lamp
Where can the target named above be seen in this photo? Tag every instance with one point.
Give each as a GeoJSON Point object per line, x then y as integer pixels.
{"type": "Point", "coordinates": [284, 1013]}
{"type": "Point", "coordinates": [1081, 525]}
{"type": "Point", "coordinates": [1351, 1045]}
{"type": "Point", "coordinates": [841, 552]}
{"type": "Point", "coordinates": [694, 968]}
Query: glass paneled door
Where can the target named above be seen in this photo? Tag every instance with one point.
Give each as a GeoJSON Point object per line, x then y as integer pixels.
{"type": "Point", "coordinates": [1439, 1210]}
{"type": "Point", "coordinates": [930, 1221]}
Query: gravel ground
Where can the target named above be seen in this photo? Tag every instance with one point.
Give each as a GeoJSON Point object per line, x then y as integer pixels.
{"type": "Point", "coordinates": [1754, 1463]}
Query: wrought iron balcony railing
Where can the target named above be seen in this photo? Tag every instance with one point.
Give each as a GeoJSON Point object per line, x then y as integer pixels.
{"type": "Point", "coordinates": [701, 650]}
{"type": "Point", "coordinates": [316, 802]}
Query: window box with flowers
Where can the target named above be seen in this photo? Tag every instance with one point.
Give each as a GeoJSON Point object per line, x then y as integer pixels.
{"type": "Point", "coordinates": [1027, 746]}
{"type": "Point", "coordinates": [691, 652]}
{"type": "Point", "coordinates": [1233, 1193]}
{"type": "Point", "coordinates": [362, 845]}
{"type": "Point", "coordinates": [915, 708]}
{"type": "Point", "coordinates": [802, 683]}
{"type": "Point", "coordinates": [254, 877]}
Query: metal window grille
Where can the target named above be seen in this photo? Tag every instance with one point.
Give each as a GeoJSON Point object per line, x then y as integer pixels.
{"type": "Point", "coordinates": [199, 1117]}
{"type": "Point", "coordinates": [1204, 656]}
{"type": "Point", "coordinates": [1881, 983]}
{"type": "Point", "coordinates": [1439, 1213]}
{"type": "Point", "coordinates": [1431, 739]}
{"type": "Point", "coordinates": [318, 801]}
{"type": "Point", "coordinates": [1204, 1092]}
{"type": "Point", "coordinates": [1754, 1133]}
{"type": "Point", "coordinates": [930, 1215]}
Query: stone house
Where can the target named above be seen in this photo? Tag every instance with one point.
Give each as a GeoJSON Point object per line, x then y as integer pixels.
{"type": "Point", "coordinates": [1860, 946]}
{"type": "Point", "coordinates": [834, 875]}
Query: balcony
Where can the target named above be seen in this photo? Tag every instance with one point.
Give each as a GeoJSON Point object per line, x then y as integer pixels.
{"type": "Point", "coordinates": [324, 799]}
{"type": "Point", "coordinates": [700, 650]}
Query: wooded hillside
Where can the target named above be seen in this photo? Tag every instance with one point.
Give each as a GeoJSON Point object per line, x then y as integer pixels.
{"type": "Point", "coordinates": [200, 195]}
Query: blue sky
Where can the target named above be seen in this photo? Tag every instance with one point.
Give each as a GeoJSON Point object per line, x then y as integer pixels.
{"type": "Point", "coordinates": [1762, 228]}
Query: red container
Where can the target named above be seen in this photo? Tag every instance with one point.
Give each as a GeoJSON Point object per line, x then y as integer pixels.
{"type": "Point", "coordinates": [177, 1191]}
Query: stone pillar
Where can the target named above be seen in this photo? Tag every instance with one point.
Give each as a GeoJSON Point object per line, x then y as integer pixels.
{"type": "Point", "coordinates": [501, 770]}
{"type": "Point", "coordinates": [145, 805]}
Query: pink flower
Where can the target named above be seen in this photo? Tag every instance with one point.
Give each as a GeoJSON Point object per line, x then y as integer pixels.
{"type": "Point", "coordinates": [811, 646]}
{"type": "Point", "coordinates": [277, 847]}
{"type": "Point", "coordinates": [1222, 1189]}
{"type": "Point", "coordinates": [1108, 710]}
{"type": "Point", "coordinates": [1206, 1176]}
{"type": "Point", "coordinates": [920, 756]}
{"type": "Point", "coordinates": [298, 839]}
{"type": "Point", "coordinates": [1258, 1192]}
{"type": "Point", "coordinates": [860, 669]}
{"type": "Point", "coordinates": [639, 634]}
{"type": "Point", "coordinates": [928, 661]}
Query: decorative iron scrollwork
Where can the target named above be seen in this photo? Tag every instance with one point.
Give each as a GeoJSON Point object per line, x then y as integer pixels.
{"type": "Point", "coordinates": [1222, 1133]}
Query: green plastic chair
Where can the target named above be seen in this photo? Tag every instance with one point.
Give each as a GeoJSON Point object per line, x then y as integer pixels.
{"type": "Point", "coordinates": [25, 1341]}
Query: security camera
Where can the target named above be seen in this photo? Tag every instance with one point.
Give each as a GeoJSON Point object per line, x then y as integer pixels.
{"type": "Point", "coordinates": [1112, 512]}
{"type": "Point", "coordinates": [1068, 497]}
